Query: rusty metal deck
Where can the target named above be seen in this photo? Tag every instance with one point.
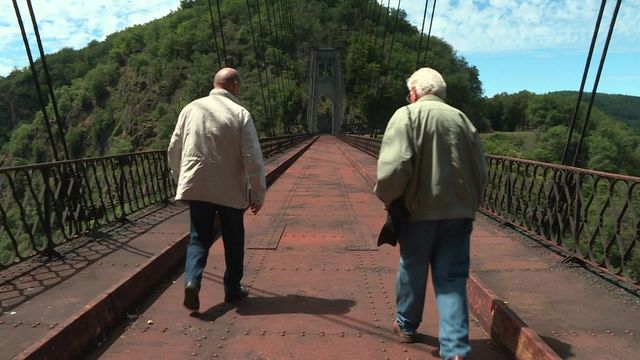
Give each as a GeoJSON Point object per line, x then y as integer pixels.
{"type": "Point", "coordinates": [319, 287]}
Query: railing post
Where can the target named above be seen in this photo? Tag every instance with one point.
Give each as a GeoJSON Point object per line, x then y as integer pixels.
{"type": "Point", "coordinates": [509, 190]}
{"type": "Point", "coordinates": [166, 172]}
{"type": "Point", "coordinates": [47, 210]}
{"type": "Point", "coordinates": [121, 188]}
{"type": "Point", "coordinates": [576, 212]}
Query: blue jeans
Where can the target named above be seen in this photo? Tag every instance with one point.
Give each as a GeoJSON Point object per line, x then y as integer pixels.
{"type": "Point", "coordinates": [444, 245]}
{"type": "Point", "coordinates": [202, 237]}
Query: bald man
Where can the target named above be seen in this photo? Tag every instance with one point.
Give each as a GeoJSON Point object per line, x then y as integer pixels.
{"type": "Point", "coordinates": [215, 157]}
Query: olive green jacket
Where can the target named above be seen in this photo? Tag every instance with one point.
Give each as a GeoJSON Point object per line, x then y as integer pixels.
{"type": "Point", "coordinates": [432, 157]}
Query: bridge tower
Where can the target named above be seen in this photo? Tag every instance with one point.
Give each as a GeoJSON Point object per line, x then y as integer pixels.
{"type": "Point", "coordinates": [325, 80]}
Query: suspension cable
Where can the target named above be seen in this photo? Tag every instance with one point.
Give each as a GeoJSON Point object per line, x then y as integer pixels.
{"type": "Point", "coordinates": [426, 50]}
{"type": "Point", "coordinates": [283, 39]}
{"type": "Point", "coordinates": [54, 103]}
{"type": "Point", "coordinates": [255, 50]}
{"type": "Point", "coordinates": [286, 30]}
{"type": "Point", "coordinates": [424, 18]}
{"type": "Point", "coordinates": [37, 83]}
{"type": "Point", "coordinates": [393, 37]}
{"type": "Point", "coordinates": [272, 20]}
{"type": "Point", "coordinates": [215, 36]}
{"type": "Point", "coordinates": [384, 30]}
{"type": "Point", "coordinates": [384, 40]}
{"type": "Point", "coordinates": [597, 80]}
{"type": "Point", "coordinates": [574, 117]}
{"type": "Point", "coordinates": [224, 47]}
{"type": "Point", "coordinates": [265, 67]}
{"type": "Point", "coordinates": [358, 45]}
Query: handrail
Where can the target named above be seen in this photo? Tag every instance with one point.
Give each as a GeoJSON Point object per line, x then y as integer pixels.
{"type": "Point", "coordinates": [45, 205]}
{"type": "Point", "coordinates": [591, 216]}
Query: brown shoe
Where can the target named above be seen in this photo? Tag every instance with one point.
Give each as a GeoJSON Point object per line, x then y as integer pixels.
{"type": "Point", "coordinates": [191, 298]}
{"type": "Point", "coordinates": [405, 337]}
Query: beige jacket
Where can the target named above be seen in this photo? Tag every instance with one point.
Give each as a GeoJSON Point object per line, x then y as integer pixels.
{"type": "Point", "coordinates": [214, 153]}
{"type": "Point", "coordinates": [432, 157]}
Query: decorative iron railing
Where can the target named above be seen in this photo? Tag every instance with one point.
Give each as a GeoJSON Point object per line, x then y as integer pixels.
{"type": "Point", "coordinates": [591, 216]}
{"type": "Point", "coordinates": [45, 205]}
{"type": "Point", "coordinates": [271, 146]}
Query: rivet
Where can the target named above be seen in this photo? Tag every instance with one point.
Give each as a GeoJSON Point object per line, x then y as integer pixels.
{"type": "Point", "coordinates": [223, 338]}
{"type": "Point", "coordinates": [282, 333]}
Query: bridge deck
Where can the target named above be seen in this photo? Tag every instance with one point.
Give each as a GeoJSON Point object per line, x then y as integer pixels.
{"type": "Point", "coordinates": [319, 286]}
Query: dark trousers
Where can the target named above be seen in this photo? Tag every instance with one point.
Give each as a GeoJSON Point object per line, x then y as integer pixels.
{"type": "Point", "coordinates": [202, 237]}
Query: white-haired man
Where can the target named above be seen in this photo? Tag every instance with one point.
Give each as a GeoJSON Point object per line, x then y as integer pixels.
{"type": "Point", "coordinates": [432, 159]}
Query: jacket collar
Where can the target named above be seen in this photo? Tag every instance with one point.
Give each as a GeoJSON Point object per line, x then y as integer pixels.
{"type": "Point", "coordinates": [224, 93]}
{"type": "Point", "coordinates": [430, 97]}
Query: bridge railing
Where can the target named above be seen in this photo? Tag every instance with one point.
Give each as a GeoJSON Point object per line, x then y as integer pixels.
{"type": "Point", "coordinates": [591, 216]}
{"type": "Point", "coordinates": [45, 205]}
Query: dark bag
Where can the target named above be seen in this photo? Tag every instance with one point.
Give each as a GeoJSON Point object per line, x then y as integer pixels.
{"type": "Point", "coordinates": [397, 217]}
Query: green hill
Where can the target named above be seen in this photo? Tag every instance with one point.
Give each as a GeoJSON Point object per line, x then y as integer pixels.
{"type": "Point", "coordinates": [124, 93]}
{"type": "Point", "coordinates": [622, 107]}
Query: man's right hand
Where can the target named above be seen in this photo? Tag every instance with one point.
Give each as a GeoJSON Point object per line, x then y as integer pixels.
{"type": "Point", "coordinates": [255, 208]}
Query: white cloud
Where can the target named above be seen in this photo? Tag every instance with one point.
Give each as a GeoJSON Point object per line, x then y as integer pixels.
{"type": "Point", "coordinates": [71, 23]}
{"type": "Point", "coordinates": [491, 26]}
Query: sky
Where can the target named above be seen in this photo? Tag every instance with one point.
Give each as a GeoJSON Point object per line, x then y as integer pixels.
{"type": "Point", "coordinates": [534, 45]}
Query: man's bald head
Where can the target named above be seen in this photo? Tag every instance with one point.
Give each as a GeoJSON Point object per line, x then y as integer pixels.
{"type": "Point", "coordinates": [228, 79]}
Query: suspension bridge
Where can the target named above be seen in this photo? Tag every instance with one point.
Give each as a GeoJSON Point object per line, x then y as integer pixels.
{"type": "Point", "coordinates": [93, 249]}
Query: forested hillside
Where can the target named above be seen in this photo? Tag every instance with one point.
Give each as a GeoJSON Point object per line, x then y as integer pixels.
{"type": "Point", "coordinates": [612, 135]}
{"type": "Point", "coordinates": [124, 94]}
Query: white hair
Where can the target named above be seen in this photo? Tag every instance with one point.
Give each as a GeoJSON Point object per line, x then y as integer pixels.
{"type": "Point", "coordinates": [427, 81]}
